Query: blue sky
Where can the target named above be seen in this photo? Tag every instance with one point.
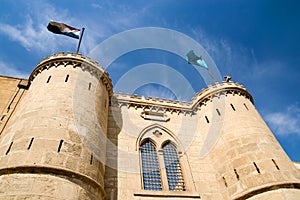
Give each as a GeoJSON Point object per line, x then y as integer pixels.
{"type": "Point", "coordinates": [256, 42]}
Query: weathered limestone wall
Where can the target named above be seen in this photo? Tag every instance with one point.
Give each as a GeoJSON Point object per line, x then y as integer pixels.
{"type": "Point", "coordinates": [10, 94]}
{"type": "Point", "coordinates": [124, 176]}
{"type": "Point", "coordinates": [53, 141]}
{"type": "Point", "coordinates": [252, 159]}
{"type": "Point", "coordinates": [8, 89]}
{"type": "Point", "coordinates": [279, 194]}
{"type": "Point", "coordinates": [56, 136]}
{"type": "Point", "coordinates": [226, 150]}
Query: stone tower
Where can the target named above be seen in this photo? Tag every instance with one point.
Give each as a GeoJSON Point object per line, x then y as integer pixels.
{"type": "Point", "coordinates": [42, 154]}
{"type": "Point", "coordinates": [225, 149]}
{"type": "Point", "coordinates": [65, 135]}
{"type": "Point", "coordinates": [246, 157]}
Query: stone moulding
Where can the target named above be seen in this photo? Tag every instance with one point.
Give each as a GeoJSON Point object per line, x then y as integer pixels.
{"type": "Point", "coordinates": [155, 116]}
{"type": "Point", "coordinates": [266, 188]}
{"type": "Point", "coordinates": [75, 60]}
{"type": "Point", "coordinates": [167, 194]}
{"type": "Point", "coordinates": [75, 177]}
{"type": "Point", "coordinates": [190, 108]}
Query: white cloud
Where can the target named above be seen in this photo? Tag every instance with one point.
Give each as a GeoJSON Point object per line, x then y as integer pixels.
{"type": "Point", "coordinates": [10, 70]}
{"type": "Point", "coordinates": [33, 35]}
{"type": "Point", "coordinates": [96, 5]}
{"type": "Point", "coordinates": [223, 52]}
{"type": "Point", "coordinates": [28, 36]}
{"type": "Point", "coordinates": [285, 122]}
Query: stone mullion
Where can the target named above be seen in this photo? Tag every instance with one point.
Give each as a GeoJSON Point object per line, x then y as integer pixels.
{"type": "Point", "coordinates": [163, 173]}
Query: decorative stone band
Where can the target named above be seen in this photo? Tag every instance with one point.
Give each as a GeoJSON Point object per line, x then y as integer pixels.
{"type": "Point", "coordinates": [163, 105]}
{"type": "Point", "coordinates": [265, 188]}
{"type": "Point", "coordinates": [76, 60]}
{"type": "Point", "coordinates": [75, 177]}
{"type": "Point", "coordinates": [167, 194]}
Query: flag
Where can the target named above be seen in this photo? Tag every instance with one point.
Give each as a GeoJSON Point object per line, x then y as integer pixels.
{"type": "Point", "coordinates": [61, 28]}
{"type": "Point", "coordinates": [193, 59]}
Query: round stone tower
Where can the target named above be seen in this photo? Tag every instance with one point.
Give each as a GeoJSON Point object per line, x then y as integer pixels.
{"type": "Point", "coordinates": [54, 145]}
{"type": "Point", "coordinates": [246, 156]}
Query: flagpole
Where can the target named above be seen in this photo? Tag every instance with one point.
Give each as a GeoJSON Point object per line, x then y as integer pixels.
{"type": "Point", "coordinates": [211, 76]}
{"type": "Point", "coordinates": [80, 38]}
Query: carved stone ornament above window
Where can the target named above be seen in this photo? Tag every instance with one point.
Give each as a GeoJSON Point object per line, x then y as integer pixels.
{"type": "Point", "coordinates": [157, 133]}
{"type": "Point", "coordinates": [155, 116]}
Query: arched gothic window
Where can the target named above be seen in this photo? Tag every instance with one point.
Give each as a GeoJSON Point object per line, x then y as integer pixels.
{"type": "Point", "coordinates": [173, 168]}
{"type": "Point", "coordinates": [156, 174]}
{"type": "Point", "coordinates": [150, 166]}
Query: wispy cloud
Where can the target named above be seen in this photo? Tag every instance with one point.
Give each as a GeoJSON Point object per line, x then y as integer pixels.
{"type": "Point", "coordinates": [155, 90]}
{"type": "Point", "coordinates": [225, 53]}
{"type": "Point", "coordinates": [32, 34]}
{"type": "Point", "coordinates": [96, 5]}
{"type": "Point", "coordinates": [7, 69]}
{"type": "Point", "coordinates": [285, 122]}
{"type": "Point", "coordinates": [115, 19]}
{"type": "Point", "coordinates": [232, 58]}
{"type": "Point", "coordinates": [28, 36]}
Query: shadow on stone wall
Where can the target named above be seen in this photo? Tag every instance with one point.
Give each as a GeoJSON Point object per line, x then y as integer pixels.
{"type": "Point", "coordinates": [115, 124]}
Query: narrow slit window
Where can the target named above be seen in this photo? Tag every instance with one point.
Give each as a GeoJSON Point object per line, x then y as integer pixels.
{"type": "Point", "coordinates": [91, 160]}
{"type": "Point", "coordinates": [48, 80]}
{"type": "Point", "coordinates": [218, 112]}
{"type": "Point", "coordinates": [67, 78]}
{"type": "Point", "coordinates": [2, 118]}
{"type": "Point", "coordinates": [60, 145]}
{"type": "Point", "coordinates": [150, 167]}
{"type": "Point", "coordinates": [90, 85]}
{"type": "Point", "coordinates": [225, 183]}
{"type": "Point", "coordinates": [206, 119]}
{"type": "Point", "coordinates": [233, 108]}
{"type": "Point", "coordinates": [30, 143]}
{"type": "Point", "coordinates": [173, 168]}
{"type": "Point", "coordinates": [246, 106]}
{"type": "Point", "coordinates": [275, 164]}
{"type": "Point", "coordinates": [236, 175]}
{"type": "Point", "coordinates": [257, 169]}
{"type": "Point", "coordinates": [8, 150]}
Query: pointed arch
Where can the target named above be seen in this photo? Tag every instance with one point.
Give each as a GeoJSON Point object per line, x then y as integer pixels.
{"type": "Point", "coordinates": [163, 164]}
{"type": "Point", "coordinates": [150, 166]}
{"type": "Point", "coordinates": [150, 140]}
{"type": "Point", "coordinates": [171, 142]}
{"type": "Point", "coordinates": [173, 167]}
{"type": "Point", "coordinates": [145, 133]}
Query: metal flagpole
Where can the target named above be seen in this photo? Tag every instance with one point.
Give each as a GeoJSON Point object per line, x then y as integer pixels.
{"type": "Point", "coordinates": [210, 74]}
{"type": "Point", "coordinates": [80, 38]}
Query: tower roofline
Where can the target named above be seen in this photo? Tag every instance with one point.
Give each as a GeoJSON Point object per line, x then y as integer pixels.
{"type": "Point", "coordinates": [201, 98]}
{"type": "Point", "coordinates": [75, 60]}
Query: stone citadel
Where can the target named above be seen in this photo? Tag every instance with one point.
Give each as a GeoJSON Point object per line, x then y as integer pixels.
{"type": "Point", "coordinates": [64, 134]}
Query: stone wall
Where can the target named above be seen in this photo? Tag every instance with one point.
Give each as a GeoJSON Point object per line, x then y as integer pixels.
{"type": "Point", "coordinates": [57, 134]}
{"type": "Point", "coordinates": [226, 150]}
{"type": "Point", "coordinates": [11, 90]}
{"type": "Point", "coordinates": [64, 135]}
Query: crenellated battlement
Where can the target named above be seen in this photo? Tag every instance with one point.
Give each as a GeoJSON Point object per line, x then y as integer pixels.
{"type": "Point", "coordinates": [65, 135]}
{"type": "Point", "coordinates": [200, 99]}
{"type": "Point", "coordinates": [74, 60]}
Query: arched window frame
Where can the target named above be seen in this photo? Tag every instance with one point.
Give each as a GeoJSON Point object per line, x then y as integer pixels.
{"type": "Point", "coordinates": [173, 173]}
{"type": "Point", "coordinates": [160, 136]}
{"type": "Point", "coordinates": [146, 173]}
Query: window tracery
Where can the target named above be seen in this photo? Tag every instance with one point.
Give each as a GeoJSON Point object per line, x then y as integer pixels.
{"type": "Point", "coordinates": [150, 167]}
{"type": "Point", "coordinates": [173, 168]}
{"type": "Point", "coordinates": [160, 167]}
